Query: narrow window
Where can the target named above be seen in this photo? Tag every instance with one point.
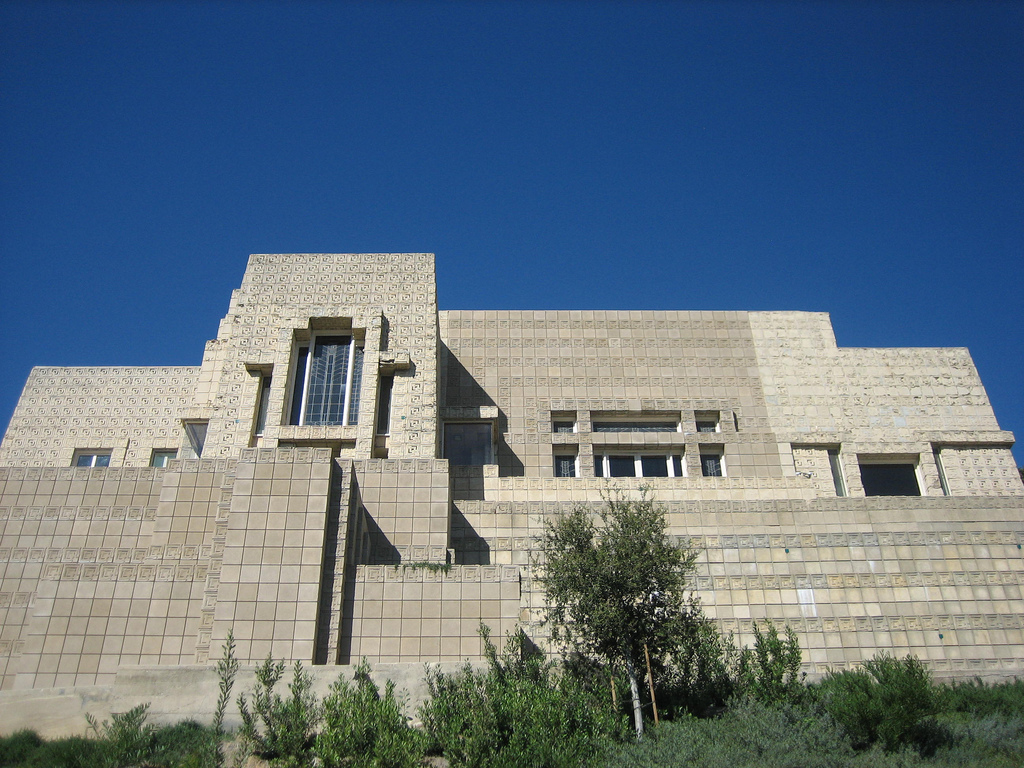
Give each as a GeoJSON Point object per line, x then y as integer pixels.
{"type": "Point", "coordinates": [636, 426]}
{"type": "Point", "coordinates": [565, 466]}
{"type": "Point", "coordinates": [162, 458]}
{"type": "Point", "coordinates": [92, 458]}
{"type": "Point", "coordinates": [327, 381]}
{"type": "Point", "coordinates": [196, 432]}
{"type": "Point", "coordinates": [711, 464]}
{"type": "Point", "coordinates": [261, 405]}
{"type": "Point", "coordinates": [387, 385]}
{"type": "Point", "coordinates": [942, 472]}
{"type": "Point", "coordinates": [889, 479]}
{"type": "Point", "coordinates": [837, 472]}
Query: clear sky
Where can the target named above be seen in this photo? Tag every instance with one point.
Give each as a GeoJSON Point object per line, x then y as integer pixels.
{"type": "Point", "coordinates": [860, 158]}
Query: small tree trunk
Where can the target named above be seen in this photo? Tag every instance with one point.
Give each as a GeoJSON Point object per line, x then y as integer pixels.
{"type": "Point", "coordinates": [634, 690]}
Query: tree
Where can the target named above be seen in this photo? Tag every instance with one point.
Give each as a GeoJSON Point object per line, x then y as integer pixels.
{"type": "Point", "coordinates": [615, 583]}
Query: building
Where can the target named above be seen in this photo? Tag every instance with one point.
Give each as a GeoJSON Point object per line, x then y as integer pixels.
{"type": "Point", "coordinates": [351, 472]}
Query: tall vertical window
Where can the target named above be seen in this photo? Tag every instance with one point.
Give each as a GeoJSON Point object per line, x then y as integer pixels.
{"type": "Point", "coordinates": [387, 386]}
{"type": "Point", "coordinates": [261, 406]}
{"type": "Point", "coordinates": [837, 472]}
{"type": "Point", "coordinates": [327, 378]}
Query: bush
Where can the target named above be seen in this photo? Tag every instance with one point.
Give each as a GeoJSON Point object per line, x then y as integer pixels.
{"type": "Point", "coordinates": [126, 739]}
{"type": "Point", "coordinates": [886, 702]}
{"type": "Point", "coordinates": [699, 678]}
{"type": "Point", "coordinates": [361, 729]}
{"type": "Point", "coordinates": [280, 730]}
{"type": "Point", "coordinates": [751, 733]}
{"type": "Point", "coordinates": [770, 671]}
{"type": "Point", "coordinates": [977, 698]}
{"type": "Point", "coordinates": [183, 744]}
{"type": "Point", "coordinates": [16, 748]}
{"type": "Point", "coordinates": [73, 752]}
{"type": "Point", "coordinates": [520, 712]}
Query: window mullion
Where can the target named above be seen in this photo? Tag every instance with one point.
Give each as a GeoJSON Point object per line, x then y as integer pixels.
{"type": "Point", "coordinates": [638, 466]}
{"type": "Point", "coordinates": [310, 356]}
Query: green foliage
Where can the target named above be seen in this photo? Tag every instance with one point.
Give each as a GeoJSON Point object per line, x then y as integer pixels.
{"type": "Point", "coordinates": [751, 733]}
{"type": "Point", "coordinates": [73, 752]}
{"type": "Point", "coordinates": [700, 676]}
{"type": "Point", "coordinates": [362, 729]}
{"type": "Point", "coordinates": [521, 712]}
{"type": "Point", "coordinates": [280, 730]}
{"type": "Point", "coordinates": [886, 702]}
{"type": "Point", "coordinates": [16, 748]}
{"type": "Point", "coordinates": [617, 586]}
{"type": "Point", "coordinates": [184, 744]}
{"type": "Point", "coordinates": [127, 738]}
{"type": "Point", "coordinates": [977, 698]}
{"type": "Point", "coordinates": [614, 587]}
{"type": "Point", "coordinates": [227, 669]}
{"type": "Point", "coordinates": [770, 671]}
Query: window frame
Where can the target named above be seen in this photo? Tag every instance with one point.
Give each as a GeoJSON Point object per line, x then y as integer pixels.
{"type": "Point", "coordinates": [575, 457]}
{"type": "Point", "coordinates": [300, 392]}
{"type": "Point", "coordinates": [673, 462]}
{"type": "Point", "coordinates": [712, 453]}
{"type": "Point", "coordinates": [94, 454]}
{"type": "Point", "coordinates": [168, 454]}
{"type": "Point", "coordinates": [491, 448]}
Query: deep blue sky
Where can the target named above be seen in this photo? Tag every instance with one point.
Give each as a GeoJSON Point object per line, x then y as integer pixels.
{"type": "Point", "coordinates": [865, 159]}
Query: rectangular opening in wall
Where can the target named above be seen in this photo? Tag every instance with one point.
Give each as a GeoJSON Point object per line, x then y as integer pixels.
{"type": "Point", "coordinates": [91, 457]}
{"type": "Point", "coordinates": [563, 422]}
{"type": "Point", "coordinates": [161, 458]}
{"type": "Point", "coordinates": [837, 471]}
{"type": "Point", "coordinates": [707, 421]}
{"type": "Point", "coordinates": [262, 403]}
{"type": "Point", "coordinates": [712, 462]}
{"type": "Point", "coordinates": [328, 375]}
{"type": "Point", "coordinates": [387, 385]}
{"type": "Point", "coordinates": [943, 482]}
{"type": "Point", "coordinates": [889, 478]}
{"type": "Point", "coordinates": [566, 465]}
{"type": "Point", "coordinates": [469, 443]}
{"type": "Point", "coordinates": [635, 425]}
{"type": "Point", "coordinates": [638, 465]}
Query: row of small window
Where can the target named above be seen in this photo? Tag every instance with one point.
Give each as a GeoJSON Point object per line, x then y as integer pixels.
{"type": "Point", "coordinates": [712, 464]}
{"type": "Point", "coordinates": [90, 458]}
{"type": "Point", "coordinates": [704, 421]}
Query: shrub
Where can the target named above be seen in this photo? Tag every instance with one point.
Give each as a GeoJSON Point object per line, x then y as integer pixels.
{"type": "Point", "coordinates": [886, 702]}
{"type": "Point", "coordinates": [73, 752]}
{"type": "Point", "coordinates": [977, 698]}
{"type": "Point", "coordinates": [699, 677]}
{"type": "Point", "coordinates": [750, 733]}
{"type": "Point", "coordinates": [183, 744]}
{"type": "Point", "coordinates": [16, 748]}
{"type": "Point", "coordinates": [280, 730]}
{"type": "Point", "coordinates": [126, 739]}
{"type": "Point", "coordinates": [520, 712]}
{"type": "Point", "coordinates": [361, 729]}
{"type": "Point", "coordinates": [770, 671]}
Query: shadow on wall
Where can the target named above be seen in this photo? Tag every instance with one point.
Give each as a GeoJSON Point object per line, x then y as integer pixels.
{"type": "Point", "coordinates": [470, 548]}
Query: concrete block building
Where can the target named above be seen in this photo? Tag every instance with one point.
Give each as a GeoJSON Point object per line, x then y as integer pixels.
{"type": "Point", "coordinates": [353, 473]}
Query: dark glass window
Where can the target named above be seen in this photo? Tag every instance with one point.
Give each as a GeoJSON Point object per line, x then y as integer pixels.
{"type": "Point", "coordinates": [563, 427]}
{"type": "Point", "coordinates": [889, 480]}
{"type": "Point", "coordinates": [468, 444]}
{"type": "Point", "coordinates": [711, 464]}
{"type": "Point", "coordinates": [636, 426]}
{"type": "Point", "coordinates": [94, 459]}
{"type": "Point", "coordinates": [565, 466]}
{"type": "Point", "coordinates": [654, 466]}
{"type": "Point", "coordinates": [327, 382]}
{"type": "Point", "coordinates": [621, 466]}
{"type": "Point", "coordinates": [264, 402]}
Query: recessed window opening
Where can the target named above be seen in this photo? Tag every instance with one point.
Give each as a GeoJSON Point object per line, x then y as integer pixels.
{"type": "Point", "coordinates": [889, 479]}
{"type": "Point", "coordinates": [262, 404]}
{"type": "Point", "coordinates": [707, 421]}
{"type": "Point", "coordinates": [161, 458]}
{"type": "Point", "coordinates": [563, 427]}
{"type": "Point", "coordinates": [638, 465]}
{"type": "Point", "coordinates": [91, 458]}
{"type": "Point", "coordinates": [387, 385]}
{"type": "Point", "coordinates": [566, 465]}
{"type": "Point", "coordinates": [712, 463]}
{"type": "Point", "coordinates": [196, 433]}
{"type": "Point", "coordinates": [936, 453]}
{"type": "Point", "coordinates": [468, 443]}
{"type": "Point", "coordinates": [636, 426]}
{"type": "Point", "coordinates": [837, 472]}
{"type": "Point", "coordinates": [328, 374]}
